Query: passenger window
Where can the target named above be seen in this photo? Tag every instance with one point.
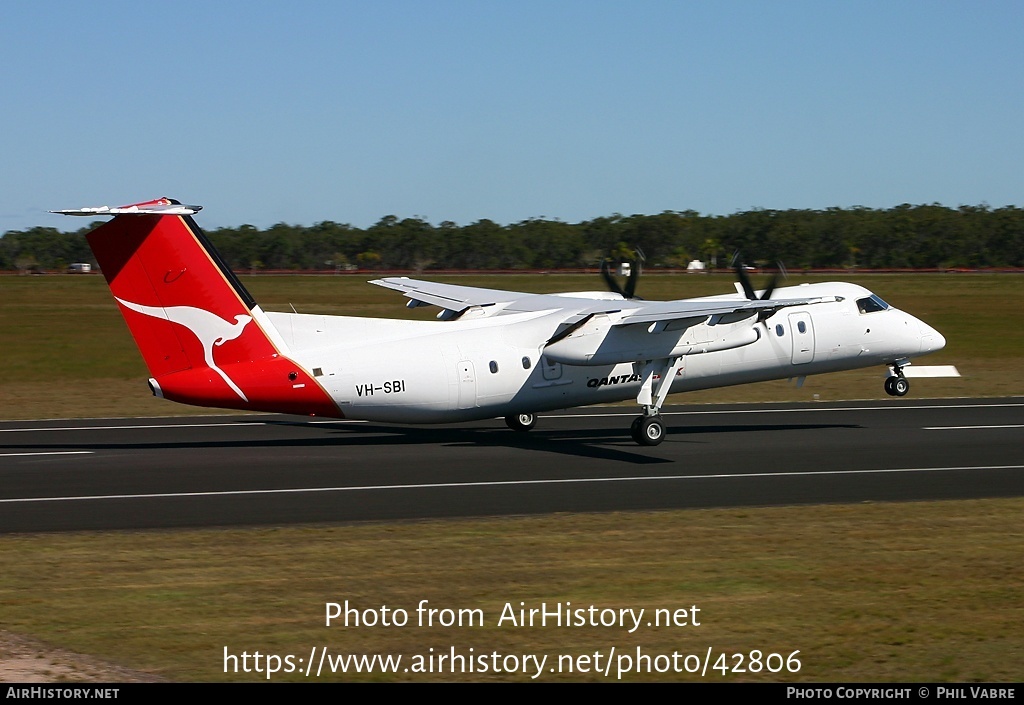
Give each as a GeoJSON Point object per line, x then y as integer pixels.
{"type": "Point", "coordinates": [494, 367]}
{"type": "Point", "coordinates": [779, 330]}
{"type": "Point", "coordinates": [801, 326]}
{"type": "Point", "coordinates": [526, 363]}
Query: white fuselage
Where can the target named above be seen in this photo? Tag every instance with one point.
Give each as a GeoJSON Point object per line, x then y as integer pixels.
{"type": "Point", "coordinates": [435, 371]}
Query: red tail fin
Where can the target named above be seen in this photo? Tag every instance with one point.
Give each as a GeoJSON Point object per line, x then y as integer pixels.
{"type": "Point", "coordinates": [161, 268]}
{"type": "Point", "coordinates": [199, 330]}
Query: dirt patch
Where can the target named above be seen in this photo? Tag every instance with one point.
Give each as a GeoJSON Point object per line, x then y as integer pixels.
{"type": "Point", "coordinates": [25, 660]}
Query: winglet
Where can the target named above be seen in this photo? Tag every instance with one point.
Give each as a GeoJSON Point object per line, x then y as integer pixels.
{"type": "Point", "coordinates": [159, 206]}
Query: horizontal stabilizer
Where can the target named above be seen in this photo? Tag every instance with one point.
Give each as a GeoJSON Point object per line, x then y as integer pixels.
{"type": "Point", "coordinates": [160, 206]}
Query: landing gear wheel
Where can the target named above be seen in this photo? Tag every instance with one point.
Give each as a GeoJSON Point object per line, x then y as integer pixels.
{"type": "Point", "coordinates": [888, 386]}
{"type": "Point", "coordinates": [900, 386]}
{"type": "Point", "coordinates": [521, 422]}
{"type": "Point", "coordinates": [648, 430]}
{"type": "Point", "coordinates": [634, 429]}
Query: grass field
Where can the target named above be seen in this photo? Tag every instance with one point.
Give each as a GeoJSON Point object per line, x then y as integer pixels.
{"type": "Point", "coordinates": [907, 592]}
{"type": "Point", "coordinates": [871, 592]}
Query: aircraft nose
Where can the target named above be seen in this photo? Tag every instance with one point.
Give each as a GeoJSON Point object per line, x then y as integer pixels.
{"type": "Point", "coordinates": [931, 339]}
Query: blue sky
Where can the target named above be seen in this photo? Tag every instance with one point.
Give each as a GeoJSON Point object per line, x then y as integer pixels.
{"type": "Point", "coordinates": [462, 110]}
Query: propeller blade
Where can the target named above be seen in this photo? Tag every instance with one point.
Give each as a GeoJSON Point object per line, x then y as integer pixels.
{"type": "Point", "coordinates": [748, 290]}
{"type": "Point", "coordinates": [609, 280]}
{"type": "Point", "coordinates": [780, 272]}
{"type": "Point", "coordinates": [634, 277]}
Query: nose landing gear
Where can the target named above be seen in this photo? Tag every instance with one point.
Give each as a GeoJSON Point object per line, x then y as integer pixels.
{"type": "Point", "coordinates": [896, 385]}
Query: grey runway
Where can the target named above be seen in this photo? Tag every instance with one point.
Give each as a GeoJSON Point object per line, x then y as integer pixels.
{"type": "Point", "coordinates": [247, 470]}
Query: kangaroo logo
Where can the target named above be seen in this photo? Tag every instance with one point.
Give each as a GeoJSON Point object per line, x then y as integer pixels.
{"type": "Point", "coordinates": [210, 329]}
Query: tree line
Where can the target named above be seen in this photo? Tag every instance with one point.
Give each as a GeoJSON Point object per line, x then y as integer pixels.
{"type": "Point", "coordinates": [906, 236]}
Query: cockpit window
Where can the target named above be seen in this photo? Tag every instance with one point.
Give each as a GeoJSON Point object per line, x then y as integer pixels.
{"type": "Point", "coordinates": [871, 304]}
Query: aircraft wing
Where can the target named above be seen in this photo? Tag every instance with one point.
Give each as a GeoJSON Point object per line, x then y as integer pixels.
{"type": "Point", "coordinates": [449, 296]}
{"type": "Point", "coordinates": [579, 306]}
{"type": "Point", "coordinates": [495, 302]}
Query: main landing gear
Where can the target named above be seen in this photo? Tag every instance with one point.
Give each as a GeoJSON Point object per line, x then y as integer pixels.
{"type": "Point", "coordinates": [657, 377]}
{"type": "Point", "coordinates": [896, 385]}
{"type": "Point", "coordinates": [521, 422]}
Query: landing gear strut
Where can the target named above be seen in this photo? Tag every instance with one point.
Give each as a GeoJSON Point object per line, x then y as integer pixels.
{"type": "Point", "coordinates": [521, 422]}
{"type": "Point", "coordinates": [649, 429]}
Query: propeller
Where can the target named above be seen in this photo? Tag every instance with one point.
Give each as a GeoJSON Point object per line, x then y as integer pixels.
{"type": "Point", "coordinates": [634, 276]}
{"type": "Point", "coordinates": [748, 290]}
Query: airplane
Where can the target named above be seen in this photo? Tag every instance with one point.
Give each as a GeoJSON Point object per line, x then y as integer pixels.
{"type": "Point", "coordinates": [492, 353]}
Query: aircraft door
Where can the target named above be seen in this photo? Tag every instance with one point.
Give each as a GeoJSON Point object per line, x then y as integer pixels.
{"type": "Point", "coordinates": [802, 334]}
{"type": "Point", "coordinates": [467, 384]}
